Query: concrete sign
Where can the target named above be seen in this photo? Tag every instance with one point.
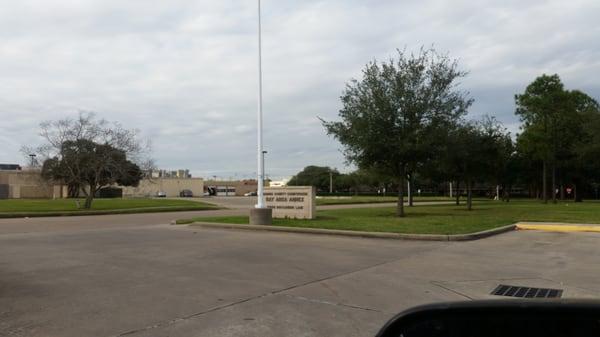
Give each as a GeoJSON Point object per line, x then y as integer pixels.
{"type": "Point", "coordinates": [294, 202]}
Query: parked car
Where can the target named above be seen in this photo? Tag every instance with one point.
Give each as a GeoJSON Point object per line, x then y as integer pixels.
{"type": "Point", "coordinates": [186, 194]}
{"type": "Point", "coordinates": [250, 194]}
{"type": "Point", "coordinates": [161, 194]}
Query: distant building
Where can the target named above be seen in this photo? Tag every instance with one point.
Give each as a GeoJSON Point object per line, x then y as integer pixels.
{"type": "Point", "coordinates": [230, 187]}
{"type": "Point", "coordinates": [182, 174]}
{"type": "Point", "coordinates": [165, 186]}
{"type": "Point", "coordinates": [279, 183]}
{"type": "Point", "coordinates": [10, 167]}
{"type": "Point", "coordinates": [16, 183]}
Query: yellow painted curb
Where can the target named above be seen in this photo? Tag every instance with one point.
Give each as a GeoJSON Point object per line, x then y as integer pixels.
{"type": "Point", "coordinates": [559, 228]}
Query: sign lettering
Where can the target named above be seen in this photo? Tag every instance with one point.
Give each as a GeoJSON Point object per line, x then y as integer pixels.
{"type": "Point", "coordinates": [294, 202]}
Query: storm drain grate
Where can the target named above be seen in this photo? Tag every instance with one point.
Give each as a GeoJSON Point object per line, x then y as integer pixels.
{"type": "Point", "coordinates": [526, 292]}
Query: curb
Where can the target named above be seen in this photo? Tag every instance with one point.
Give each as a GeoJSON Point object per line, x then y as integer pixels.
{"type": "Point", "coordinates": [558, 227]}
{"type": "Point", "coordinates": [373, 235]}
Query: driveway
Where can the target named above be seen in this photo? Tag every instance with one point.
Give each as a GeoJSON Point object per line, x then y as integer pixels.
{"type": "Point", "coordinates": [161, 280]}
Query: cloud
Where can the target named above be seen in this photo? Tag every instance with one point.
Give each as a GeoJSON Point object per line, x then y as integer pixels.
{"type": "Point", "coordinates": [184, 73]}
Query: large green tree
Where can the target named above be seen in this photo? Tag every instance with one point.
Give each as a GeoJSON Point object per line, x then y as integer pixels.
{"type": "Point", "coordinates": [87, 154]}
{"type": "Point", "coordinates": [550, 125]}
{"type": "Point", "coordinates": [391, 117]}
{"type": "Point", "coordinates": [582, 162]}
{"type": "Point", "coordinates": [475, 152]}
{"type": "Point", "coordinates": [92, 166]}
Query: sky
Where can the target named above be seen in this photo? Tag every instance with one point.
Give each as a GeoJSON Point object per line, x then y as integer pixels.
{"type": "Point", "coordinates": [184, 73]}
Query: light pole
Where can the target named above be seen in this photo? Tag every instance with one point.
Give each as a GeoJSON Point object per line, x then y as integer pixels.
{"type": "Point", "coordinates": [260, 214]}
{"type": "Point", "coordinates": [263, 167]}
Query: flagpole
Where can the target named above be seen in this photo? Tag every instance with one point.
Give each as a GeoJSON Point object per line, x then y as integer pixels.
{"type": "Point", "coordinates": [260, 153]}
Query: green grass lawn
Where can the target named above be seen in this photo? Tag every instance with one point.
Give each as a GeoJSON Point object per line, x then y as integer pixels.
{"type": "Point", "coordinates": [438, 219]}
{"type": "Point", "coordinates": [33, 207]}
{"type": "Point", "coordinates": [371, 199]}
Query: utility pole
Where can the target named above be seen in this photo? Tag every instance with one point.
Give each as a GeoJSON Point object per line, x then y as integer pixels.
{"type": "Point", "coordinates": [330, 182]}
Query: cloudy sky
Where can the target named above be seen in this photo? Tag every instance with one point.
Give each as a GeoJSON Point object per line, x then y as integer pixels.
{"type": "Point", "coordinates": [183, 72]}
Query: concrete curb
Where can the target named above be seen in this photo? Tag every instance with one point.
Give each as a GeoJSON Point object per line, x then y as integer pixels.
{"type": "Point", "coordinates": [374, 235]}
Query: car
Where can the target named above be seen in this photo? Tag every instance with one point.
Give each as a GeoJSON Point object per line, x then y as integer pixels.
{"type": "Point", "coordinates": [186, 194]}
{"type": "Point", "coordinates": [161, 194]}
{"type": "Point", "coordinates": [250, 194]}
{"type": "Point", "coordinates": [516, 318]}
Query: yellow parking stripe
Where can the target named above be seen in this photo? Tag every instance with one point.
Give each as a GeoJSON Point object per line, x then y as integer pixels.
{"type": "Point", "coordinates": [558, 228]}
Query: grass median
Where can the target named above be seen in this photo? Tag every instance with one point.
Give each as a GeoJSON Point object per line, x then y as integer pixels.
{"type": "Point", "coordinates": [63, 207]}
{"type": "Point", "coordinates": [436, 219]}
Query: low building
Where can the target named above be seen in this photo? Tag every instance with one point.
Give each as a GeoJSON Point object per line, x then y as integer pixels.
{"type": "Point", "coordinates": [27, 184]}
{"type": "Point", "coordinates": [231, 187]}
{"type": "Point", "coordinates": [169, 187]}
{"type": "Point", "coordinates": [279, 183]}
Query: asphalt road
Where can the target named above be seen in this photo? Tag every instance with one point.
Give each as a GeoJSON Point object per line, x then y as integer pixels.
{"type": "Point", "coordinates": [161, 280]}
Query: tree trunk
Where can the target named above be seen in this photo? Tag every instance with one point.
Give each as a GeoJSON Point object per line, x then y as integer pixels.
{"type": "Point", "coordinates": [73, 190]}
{"type": "Point", "coordinates": [562, 190]}
{"type": "Point", "coordinates": [469, 195]}
{"type": "Point", "coordinates": [89, 198]}
{"type": "Point", "coordinates": [457, 192]}
{"type": "Point", "coordinates": [578, 195]}
{"type": "Point", "coordinates": [400, 206]}
{"type": "Point", "coordinates": [410, 191]}
{"type": "Point", "coordinates": [544, 184]}
{"type": "Point", "coordinates": [553, 183]}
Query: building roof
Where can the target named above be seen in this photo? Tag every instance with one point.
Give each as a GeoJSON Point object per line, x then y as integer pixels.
{"type": "Point", "coordinates": [10, 167]}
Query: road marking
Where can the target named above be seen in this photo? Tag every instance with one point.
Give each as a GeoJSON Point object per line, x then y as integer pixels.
{"type": "Point", "coordinates": [559, 227]}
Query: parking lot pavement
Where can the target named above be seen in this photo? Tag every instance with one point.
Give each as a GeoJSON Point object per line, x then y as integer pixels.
{"type": "Point", "coordinates": [185, 281]}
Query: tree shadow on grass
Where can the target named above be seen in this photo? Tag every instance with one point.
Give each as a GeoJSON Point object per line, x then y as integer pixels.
{"type": "Point", "coordinates": [410, 215]}
{"type": "Point", "coordinates": [324, 217]}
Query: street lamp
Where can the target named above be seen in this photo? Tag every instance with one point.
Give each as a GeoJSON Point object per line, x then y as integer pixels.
{"type": "Point", "coordinates": [32, 156]}
{"type": "Point", "coordinates": [260, 214]}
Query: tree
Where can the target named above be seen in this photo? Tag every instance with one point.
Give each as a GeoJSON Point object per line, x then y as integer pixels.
{"type": "Point", "coordinates": [354, 180]}
{"type": "Point", "coordinates": [549, 124]}
{"type": "Point", "coordinates": [583, 162]}
{"type": "Point", "coordinates": [87, 154]}
{"type": "Point", "coordinates": [390, 117]}
{"type": "Point", "coordinates": [317, 176]}
{"type": "Point", "coordinates": [475, 153]}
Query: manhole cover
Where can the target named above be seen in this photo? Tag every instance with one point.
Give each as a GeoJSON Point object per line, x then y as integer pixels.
{"type": "Point", "coordinates": [526, 292]}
